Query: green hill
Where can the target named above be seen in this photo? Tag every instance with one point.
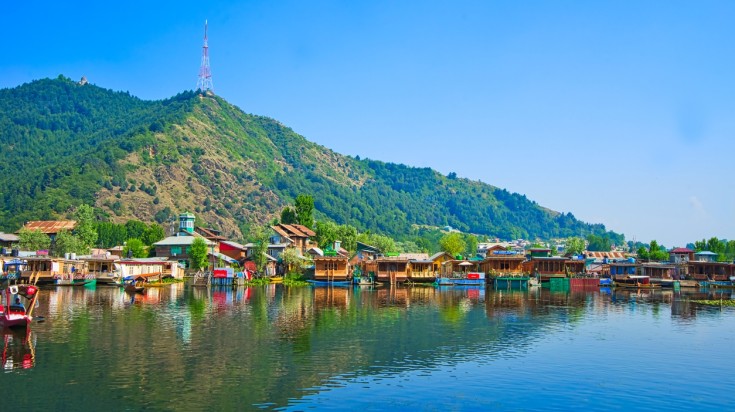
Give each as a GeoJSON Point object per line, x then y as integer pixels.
{"type": "Point", "coordinates": [62, 144]}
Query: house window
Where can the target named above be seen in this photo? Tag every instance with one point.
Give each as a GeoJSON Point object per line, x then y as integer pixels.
{"type": "Point", "coordinates": [175, 250]}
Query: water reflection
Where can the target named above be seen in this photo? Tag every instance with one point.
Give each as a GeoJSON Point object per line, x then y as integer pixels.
{"type": "Point", "coordinates": [19, 349]}
{"type": "Point", "coordinates": [274, 345]}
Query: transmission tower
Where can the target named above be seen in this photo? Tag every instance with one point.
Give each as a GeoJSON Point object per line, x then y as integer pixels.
{"type": "Point", "coordinates": [204, 83]}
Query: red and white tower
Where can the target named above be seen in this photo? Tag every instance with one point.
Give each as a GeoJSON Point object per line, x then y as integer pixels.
{"type": "Point", "coordinates": [204, 83]}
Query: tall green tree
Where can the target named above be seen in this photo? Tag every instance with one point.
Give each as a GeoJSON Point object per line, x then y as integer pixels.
{"type": "Point", "coordinates": [135, 248]}
{"type": "Point", "coordinates": [453, 243]}
{"type": "Point", "coordinates": [305, 210]}
{"type": "Point", "coordinates": [471, 244]}
{"type": "Point", "coordinates": [66, 242]}
{"type": "Point", "coordinates": [86, 227]}
{"type": "Point", "coordinates": [292, 260]}
{"type": "Point", "coordinates": [259, 236]}
{"type": "Point", "coordinates": [598, 243]}
{"type": "Point", "coordinates": [198, 254]}
{"type": "Point", "coordinates": [153, 233]}
{"type": "Point", "coordinates": [33, 240]}
{"type": "Point", "coordinates": [288, 215]}
{"type": "Point", "coordinates": [574, 246]}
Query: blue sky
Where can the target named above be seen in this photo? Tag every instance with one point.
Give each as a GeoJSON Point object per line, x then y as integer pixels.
{"type": "Point", "coordinates": [620, 112]}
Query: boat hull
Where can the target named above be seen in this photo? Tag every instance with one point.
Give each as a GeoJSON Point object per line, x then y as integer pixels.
{"type": "Point", "coordinates": [330, 283]}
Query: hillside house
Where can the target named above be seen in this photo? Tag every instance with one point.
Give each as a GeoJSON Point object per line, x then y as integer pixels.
{"type": "Point", "coordinates": [297, 236]}
{"type": "Point", "coordinates": [51, 227]}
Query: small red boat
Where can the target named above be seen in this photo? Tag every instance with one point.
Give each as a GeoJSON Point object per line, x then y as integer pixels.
{"type": "Point", "coordinates": [13, 312]}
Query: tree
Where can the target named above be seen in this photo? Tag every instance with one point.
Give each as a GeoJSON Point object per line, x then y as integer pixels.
{"type": "Point", "coordinates": [471, 242]}
{"type": "Point", "coordinates": [153, 233]}
{"type": "Point", "coordinates": [656, 252]}
{"type": "Point", "coordinates": [288, 215]}
{"type": "Point", "coordinates": [452, 243]}
{"type": "Point", "coordinates": [384, 243]}
{"type": "Point", "coordinates": [259, 237]}
{"type": "Point", "coordinates": [574, 246]}
{"type": "Point", "coordinates": [198, 254]}
{"type": "Point", "coordinates": [292, 260]}
{"type": "Point", "coordinates": [85, 230]}
{"type": "Point", "coordinates": [65, 242]}
{"type": "Point", "coordinates": [643, 253]}
{"type": "Point", "coordinates": [33, 240]}
{"type": "Point", "coordinates": [598, 243]}
{"type": "Point", "coordinates": [305, 210]}
{"type": "Point", "coordinates": [135, 248]}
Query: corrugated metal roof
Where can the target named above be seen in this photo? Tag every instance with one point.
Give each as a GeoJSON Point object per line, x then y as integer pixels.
{"type": "Point", "coordinates": [293, 231]}
{"type": "Point", "coordinates": [681, 250]}
{"type": "Point", "coordinates": [50, 226]}
{"type": "Point", "coordinates": [181, 241]}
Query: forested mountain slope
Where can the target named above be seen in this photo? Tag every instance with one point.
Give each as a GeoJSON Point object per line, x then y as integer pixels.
{"type": "Point", "coordinates": [62, 144]}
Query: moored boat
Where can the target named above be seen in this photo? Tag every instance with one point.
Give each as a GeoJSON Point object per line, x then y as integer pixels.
{"type": "Point", "coordinates": [13, 312]}
{"type": "Point", "coordinates": [634, 281]}
{"type": "Point", "coordinates": [464, 279]}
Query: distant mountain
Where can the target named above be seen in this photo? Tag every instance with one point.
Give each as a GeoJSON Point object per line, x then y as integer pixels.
{"type": "Point", "coordinates": [63, 143]}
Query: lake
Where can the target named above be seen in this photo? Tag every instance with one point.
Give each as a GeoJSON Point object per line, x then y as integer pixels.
{"type": "Point", "coordinates": [412, 348]}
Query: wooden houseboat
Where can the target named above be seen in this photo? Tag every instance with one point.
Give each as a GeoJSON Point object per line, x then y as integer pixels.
{"type": "Point", "coordinates": [334, 268]}
{"type": "Point", "coordinates": [427, 269]}
{"type": "Point", "coordinates": [46, 269]}
{"type": "Point", "coordinates": [502, 263]}
{"type": "Point", "coordinates": [392, 269]}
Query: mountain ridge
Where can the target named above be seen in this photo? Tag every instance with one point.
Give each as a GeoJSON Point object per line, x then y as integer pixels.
{"type": "Point", "coordinates": [62, 144]}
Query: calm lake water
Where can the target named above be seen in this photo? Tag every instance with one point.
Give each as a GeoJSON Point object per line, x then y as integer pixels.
{"type": "Point", "coordinates": [420, 348]}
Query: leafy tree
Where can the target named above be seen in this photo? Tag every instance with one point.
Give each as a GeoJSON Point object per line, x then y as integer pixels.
{"type": "Point", "coordinates": [33, 240]}
{"type": "Point", "coordinates": [471, 242]}
{"type": "Point", "coordinates": [65, 242]}
{"type": "Point", "coordinates": [198, 254]}
{"type": "Point", "coordinates": [384, 243]}
{"type": "Point", "coordinates": [656, 252]}
{"type": "Point", "coordinates": [259, 237]}
{"type": "Point", "coordinates": [643, 253]}
{"type": "Point", "coordinates": [574, 245]}
{"type": "Point", "coordinates": [598, 243]}
{"type": "Point", "coordinates": [288, 215]}
{"type": "Point", "coordinates": [292, 260]}
{"type": "Point", "coordinates": [85, 229]}
{"type": "Point", "coordinates": [153, 233]}
{"type": "Point", "coordinates": [453, 243]}
{"type": "Point", "coordinates": [305, 210]}
{"type": "Point", "coordinates": [135, 248]}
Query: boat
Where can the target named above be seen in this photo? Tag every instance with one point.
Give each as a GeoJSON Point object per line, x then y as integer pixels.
{"type": "Point", "coordinates": [329, 282]}
{"type": "Point", "coordinates": [276, 279]}
{"type": "Point", "coordinates": [665, 283]}
{"type": "Point", "coordinates": [134, 288]}
{"type": "Point", "coordinates": [364, 280]}
{"type": "Point", "coordinates": [13, 312]}
{"type": "Point", "coordinates": [634, 281]}
{"type": "Point", "coordinates": [513, 282]}
{"type": "Point", "coordinates": [464, 279]}
{"type": "Point", "coordinates": [69, 280]}
{"type": "Point", "coordinates": [718, 284]}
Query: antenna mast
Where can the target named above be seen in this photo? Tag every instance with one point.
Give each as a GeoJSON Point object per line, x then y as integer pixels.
{"type": "Point", "coordinates": [204, 83]}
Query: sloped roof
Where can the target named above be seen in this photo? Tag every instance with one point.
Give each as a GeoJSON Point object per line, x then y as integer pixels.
{"type": "Point", "coordinates": [293, 231]}
{"type": "Point", "coordinates": [609, 255]}
{"type": "Point", "coordinates": [415, 256]}
{"type": "Point", "coordinates": [280, 231]}
{"type": "Point", "coordinates": [208, 233]}
{"type": "Point", "coordinates": [681, 250]}
{"type": "Point", "coordinates": [706, 253]}
{"type": "Point", "coordinates": [234, 244]}
{"type": "Point", "coordinates": [8, 237]}
{"type": "Point", "coordinates": [181, 241]}
{"type": "Point", "coordinates": [50, 226]}
{"type": "Point", "coordinates": [305, 230]}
